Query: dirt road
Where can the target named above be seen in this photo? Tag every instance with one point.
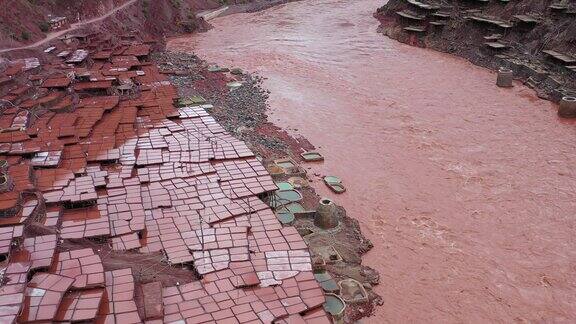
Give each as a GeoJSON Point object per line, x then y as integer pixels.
{"type": "Point", "coordinates": [73, 27]}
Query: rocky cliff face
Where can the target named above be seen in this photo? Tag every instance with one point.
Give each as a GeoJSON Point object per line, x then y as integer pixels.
{"type": "Point", "coordinates": [536, 38]}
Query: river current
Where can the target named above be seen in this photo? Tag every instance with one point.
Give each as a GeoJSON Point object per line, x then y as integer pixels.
{"type": "Point", "coordinates": [466, 190]}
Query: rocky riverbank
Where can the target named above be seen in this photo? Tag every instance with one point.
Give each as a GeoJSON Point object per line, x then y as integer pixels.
{"type": "Point", "coordinates": [239, 102]}
{"type": "Point", "coordinates": [533, 38]}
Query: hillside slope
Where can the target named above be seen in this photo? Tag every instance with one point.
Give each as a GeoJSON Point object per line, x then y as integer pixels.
{"type": "Point", "coordinates": [24, 21]}
{"type": "Point", "coordinates": [515, 34]}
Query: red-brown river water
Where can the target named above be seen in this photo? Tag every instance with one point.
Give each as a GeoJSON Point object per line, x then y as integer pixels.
{"type": "Point", "coordinates": [466, 190]}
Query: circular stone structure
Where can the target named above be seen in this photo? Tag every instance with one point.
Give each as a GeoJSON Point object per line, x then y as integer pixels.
{"type": "Point", "coordinates": [567, 107]}
{"type": "Point", "coordinates": [6, 183]}
{"type": "Point", "coordinates": [326, 217]}
{"type": "Point", "coordinates": [505, 78]}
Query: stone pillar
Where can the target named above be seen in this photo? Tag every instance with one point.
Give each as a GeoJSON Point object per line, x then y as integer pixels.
{"type": "Point", "coordinates": [567, 107]}
{"type": "Point", "coordinates": [505, 78]}
{"type": "Point", "coordinates": [326, 214]}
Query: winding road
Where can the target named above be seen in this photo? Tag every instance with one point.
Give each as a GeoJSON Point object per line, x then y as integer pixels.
{"type": "Point", "coordinates": [73, 27]}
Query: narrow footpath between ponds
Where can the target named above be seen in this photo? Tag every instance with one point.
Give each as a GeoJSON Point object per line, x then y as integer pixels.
{"type": "Point", "coordinates": [466, 190]}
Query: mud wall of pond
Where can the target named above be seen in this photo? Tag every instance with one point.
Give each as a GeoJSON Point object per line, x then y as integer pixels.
{"type": "Point", "coordinates": [515, 34]}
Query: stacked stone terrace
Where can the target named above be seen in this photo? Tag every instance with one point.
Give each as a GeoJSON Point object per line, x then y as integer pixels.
{"type": "Point", "coordinates": [96, 158]}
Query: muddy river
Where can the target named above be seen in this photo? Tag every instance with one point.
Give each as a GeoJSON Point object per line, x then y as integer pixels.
{"type": "Point", "coordinates": [467, 190]}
